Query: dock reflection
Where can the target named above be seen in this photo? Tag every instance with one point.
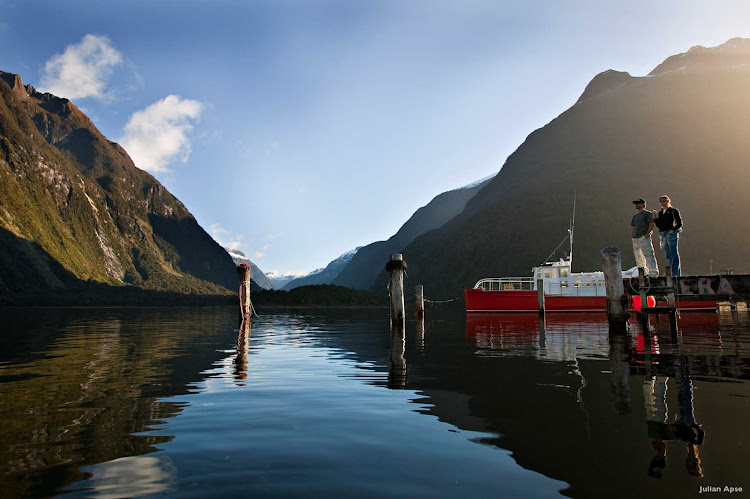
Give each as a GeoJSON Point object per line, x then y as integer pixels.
{"type": "Point", "coordinates": [651, 362]}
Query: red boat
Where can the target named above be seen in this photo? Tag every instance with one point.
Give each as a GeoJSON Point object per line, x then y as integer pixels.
{"type": "Point", "coordinates": [564, 291]}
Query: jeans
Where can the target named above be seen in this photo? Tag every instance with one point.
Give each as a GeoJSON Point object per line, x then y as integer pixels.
{"type": "Point", "coordinates": [644, 256]}
{"type": "Point", "coordinates": [669, 241]}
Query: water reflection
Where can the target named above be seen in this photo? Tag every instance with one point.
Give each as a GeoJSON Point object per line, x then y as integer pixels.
{"type": "Point", "coordinates": [128, 403]}
{"type": "Point", "coordinates": [709, 348]}
{"type": "Point", "coordinates": [396, 358]}
{"type": "Point", "coordinates": [240, 361]}
{"type": "Point", "coordinates": [86, 393]}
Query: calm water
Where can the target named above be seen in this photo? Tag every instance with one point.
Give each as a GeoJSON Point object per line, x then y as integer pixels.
{"type": "Point", "coordinates": [176, 402]}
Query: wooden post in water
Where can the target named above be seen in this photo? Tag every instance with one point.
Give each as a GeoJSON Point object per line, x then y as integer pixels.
{"type": "Point", "coordinates": [243, 273]}
{"type": "Point", "coordinates": [540, 295]}
{"type": "Point", "coordinates": [671, 302]}
{"type": "Point", "coordinates": [396, 267]}
{"type": "Point", "coordinates": [617, 311]}
{"type": "Point", "coordinates": [419, 301]}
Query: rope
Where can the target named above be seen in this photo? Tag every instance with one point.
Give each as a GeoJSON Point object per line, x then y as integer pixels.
{"type": "Point", "coordinates": [440, 301]}
{"type": "Point", "coordinates": [242, 295]}
{"type": "Point", "coordinates": [558, 246]}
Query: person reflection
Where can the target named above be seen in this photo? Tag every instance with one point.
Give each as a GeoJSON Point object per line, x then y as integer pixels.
{"type": "Point", "coordinates": [685, 427]}
{"type": "Point", "coordinates": [240, 361]}
{"type": "Point", "coordinates": [397, 361]}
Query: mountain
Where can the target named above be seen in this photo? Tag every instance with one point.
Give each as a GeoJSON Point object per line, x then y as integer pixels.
{"type": "Point", "coordinates": [369, 262]}
{"type": "Point", "coordinates": [682, 130]}
{"type": "Point", "coordinates": [325, 275]}
{"type": "Point", "coordinates": [76, 212]}
{"type": "Point", "coordinates": [256, 274]}
{"type": "Point", "coordinates": [281, 280]}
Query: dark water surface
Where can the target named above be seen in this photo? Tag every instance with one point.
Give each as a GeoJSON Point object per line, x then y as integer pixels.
{"type": "Point", "coordinates": [174, 402]}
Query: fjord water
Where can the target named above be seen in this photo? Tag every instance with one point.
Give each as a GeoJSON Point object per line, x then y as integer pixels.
{"type": "Point", "coordinates": [176, 402]}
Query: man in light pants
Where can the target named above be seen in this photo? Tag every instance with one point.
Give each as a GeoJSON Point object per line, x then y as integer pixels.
{"type": "Point", "coordinates": [643, 248]}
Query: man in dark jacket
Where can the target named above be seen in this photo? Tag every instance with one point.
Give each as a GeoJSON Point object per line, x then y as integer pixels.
{"type": "Point", "coordinates": [669, 222]}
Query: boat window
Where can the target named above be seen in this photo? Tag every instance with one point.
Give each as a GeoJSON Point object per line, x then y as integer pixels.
{"type": "Point", "coordinates": [563, 284]}
{"type": "Point", "coordinates": [578, 284]}
{"type": "Point", "coordinates": [564, 272]}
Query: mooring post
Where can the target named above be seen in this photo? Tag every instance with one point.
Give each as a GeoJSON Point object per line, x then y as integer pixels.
{"type": "Point", "coordinates": [396, 267]}
{"type": "Point", "coordinates": [671, 303]}
{"type": "Point", "coordinates": [540, 295]}
{"type": "Point", "coordinates": [419, 301]}
{"type": "Point", "coordinates": [243, 273]}
{"type": "Point", "coordinates": [617, 310]}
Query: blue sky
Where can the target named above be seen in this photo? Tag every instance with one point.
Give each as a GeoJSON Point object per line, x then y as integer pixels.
{"type": "Point", "coordinates": [298, 130]}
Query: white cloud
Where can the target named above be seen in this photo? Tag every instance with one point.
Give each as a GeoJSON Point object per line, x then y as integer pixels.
{"type": "Point", "coordinates": [157, 135]}
{"type": "Point", "coordinates": [261, 252]}
{"type": "Point", "coordinates": [230, 241]}
{"type": "Point", "coordinates": [82, 70]}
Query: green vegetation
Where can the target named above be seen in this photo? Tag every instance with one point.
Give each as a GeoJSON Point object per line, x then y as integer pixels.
{"type": "Point", "coordinates": [76, 211]}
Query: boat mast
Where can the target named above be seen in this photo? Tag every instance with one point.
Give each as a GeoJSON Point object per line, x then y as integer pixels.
{"type": "Point", "coordinates": [570, 230]}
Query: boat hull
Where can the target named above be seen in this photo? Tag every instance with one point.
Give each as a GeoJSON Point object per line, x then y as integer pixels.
{"type": "Point", "coordinates": [480, 301]}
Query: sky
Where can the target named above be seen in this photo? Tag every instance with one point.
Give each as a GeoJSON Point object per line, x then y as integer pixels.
{"type": "Point", "coordinates": [297, 130]}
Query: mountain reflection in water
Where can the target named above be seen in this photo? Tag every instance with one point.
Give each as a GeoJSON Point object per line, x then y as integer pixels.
{"type": "Point", "coordinates": [135, 402]}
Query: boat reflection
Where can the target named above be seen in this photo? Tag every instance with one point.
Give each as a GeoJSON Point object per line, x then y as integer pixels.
{"type": "Point", "coordinates": [664, 364]}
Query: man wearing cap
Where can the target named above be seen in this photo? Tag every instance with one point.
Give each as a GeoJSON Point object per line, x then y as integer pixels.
{"type": "Point", "coordinates": [643, 226]}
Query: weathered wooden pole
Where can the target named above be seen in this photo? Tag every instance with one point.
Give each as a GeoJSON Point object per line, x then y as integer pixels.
{"type": "Point", "coordinates": [540, 295]}
{"type": "Point", "coordinates": [396, 267]}
{"type": "Point", "coordinates": [419, 301]}
{"type": "Point", "coordinates": [617, 309]}
{"type": "Point", "coordinates": [671, 302]}
{"type": "Point", "coordinates": [243, 273]}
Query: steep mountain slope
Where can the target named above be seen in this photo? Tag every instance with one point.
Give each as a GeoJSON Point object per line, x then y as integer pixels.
{"type": "Point", "coordinates": [369, 262]}
{"type": "Point", "coordinates": [325, 275]}
{"type": "Point", "coordinates": [683, 130]}
{"type": "Point", "coordinates": [74, 208]}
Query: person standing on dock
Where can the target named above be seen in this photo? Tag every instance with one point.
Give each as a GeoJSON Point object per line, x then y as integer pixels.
{"type": "Point", "coordinates": [643, 226]}
{"type": "Point", "coordinates": [669, 222]}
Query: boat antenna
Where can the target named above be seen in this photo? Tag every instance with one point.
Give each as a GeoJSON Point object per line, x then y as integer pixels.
{"type": "Point", "coordinates": [569, 236]}
{"type": "Point", "coordinates": [572, 227]}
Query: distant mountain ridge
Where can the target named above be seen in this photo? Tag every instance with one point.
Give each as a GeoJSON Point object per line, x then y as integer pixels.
{"type": "Point", "coordinates": [74, 209]}
{"type": "Point", "coordinates": [325, 275]}
{"type": "Point", "coordinates": [256, 274]}
{"type": "Point", "coordinates": [682, 130]}
{"type": "Point", "coordinates": [369, 262]}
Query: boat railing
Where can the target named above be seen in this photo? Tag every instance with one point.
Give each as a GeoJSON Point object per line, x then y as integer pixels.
{"type": "Point", "coordinates": [505, 284]}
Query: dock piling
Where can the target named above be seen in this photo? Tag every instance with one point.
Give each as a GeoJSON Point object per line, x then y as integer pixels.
{"type": "Point", "coordinates": [540, 295]}
{"type": "Point", "coordinates": [396, 267]}
{"type": "Point", "coordinates": [419, 301]}
{"type": "Point", "coordinates": [617, 310]}
{"type": "Point", "coordinates": [243, 273]}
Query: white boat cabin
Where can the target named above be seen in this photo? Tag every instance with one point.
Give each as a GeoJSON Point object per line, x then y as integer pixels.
{"type": "Point", "coordinates": [556, 278]}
